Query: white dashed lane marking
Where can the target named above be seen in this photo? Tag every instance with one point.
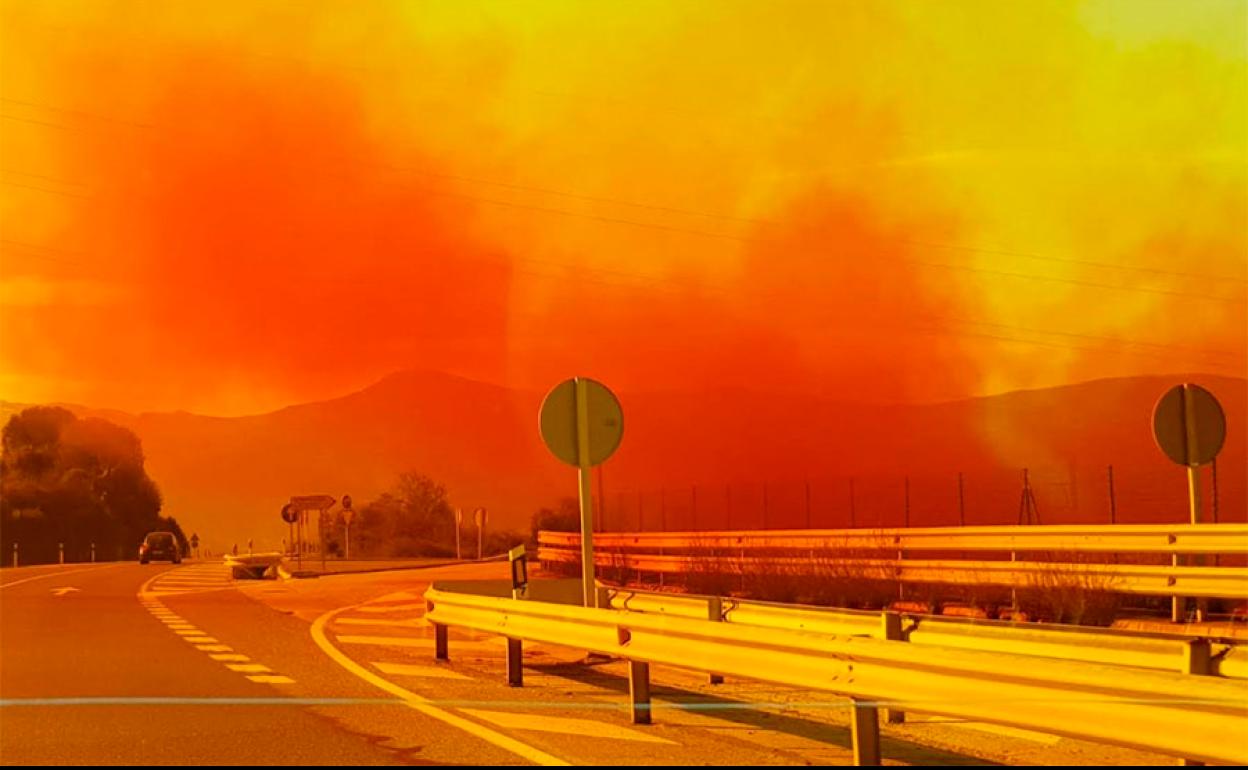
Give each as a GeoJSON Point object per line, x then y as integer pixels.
{"type": "Point", "coordinates": [192, 578]}
{"type": "Point", "coordinates": [565, 725]}
{"type": "Point", "coordinates": [222, 653]}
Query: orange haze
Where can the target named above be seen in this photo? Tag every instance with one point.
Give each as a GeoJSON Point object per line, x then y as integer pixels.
{"type": "Point", "coordinates": [226, 207]}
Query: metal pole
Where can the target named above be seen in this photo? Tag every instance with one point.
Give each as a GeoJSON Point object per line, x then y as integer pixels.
{"type": "Point", "coordinates": [602, 502]}
{"type": "Point", "coordinates": [961, 503]}
{"type": "Point", "coordinates": [347, 537]}
{"type": "Point", "coordinates": [852, 513]}
{"type": "Point", "coordinates": [1215, 492]}
{"type": "Point", "coordinates": [587, 500]}
{"type": "Point", "coordinates": [807, 503]}
{"type": "Point", "coordinates": [907, 519]}
{"type": "Point", "coordinates": [1193, 480]}
{"type": "Point", "coordinates": [1113, 502]}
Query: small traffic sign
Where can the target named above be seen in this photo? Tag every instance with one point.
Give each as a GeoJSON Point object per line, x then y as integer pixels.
{"type": "Point", "coordinates": [346, 502]}
{"type": "Point", "coordinates": [478, 517]}
{"type": "Point", "coordinates": [604, 421]}
{"type": "Point", "coordinates": [1189, 425]}
{"type": "Point", "coordinates": [289, 513]}
{"type": "Point", "coordinates": [348, 516]}
{"type": "Point", "coordinates": [194, 540]}
{"type": "Point", "coordinates": [312, 502]}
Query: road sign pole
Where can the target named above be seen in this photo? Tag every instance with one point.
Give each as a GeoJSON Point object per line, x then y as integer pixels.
{"type": "Point", "coordinates": [347, 545]}
{"type": "Point", "coordinates": [1193, 484]}
{"type": "Point", "coordinates": [587, 499]}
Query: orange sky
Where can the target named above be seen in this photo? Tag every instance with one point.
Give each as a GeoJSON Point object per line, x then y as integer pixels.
{"type": "Point", "coordinates": [226, 207]}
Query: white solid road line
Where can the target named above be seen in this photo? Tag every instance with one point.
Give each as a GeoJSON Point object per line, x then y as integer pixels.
{"type": "Point", "coordinates": [58, 573]}
{"type": "Point", "coordinates": [505, 742]}
{"type": "Point", "coordinates": [414, 623]}
{"type": "Point", "coordinates": [391, 608]}
{"type": "Point", "coordinates": [427, 672]}
{"type": "Point", "coordinates": [388, 641]}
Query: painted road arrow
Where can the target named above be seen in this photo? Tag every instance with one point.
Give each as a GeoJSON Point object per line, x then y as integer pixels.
{"type": "Point", "coordinates": [64, 590]}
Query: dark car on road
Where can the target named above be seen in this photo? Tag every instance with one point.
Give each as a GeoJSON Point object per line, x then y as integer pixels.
{"type": "Point", "coordinates": [160, 545]}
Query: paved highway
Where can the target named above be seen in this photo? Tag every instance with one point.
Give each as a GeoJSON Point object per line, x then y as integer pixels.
{"type": "Point", "coordinates": [157, 664]}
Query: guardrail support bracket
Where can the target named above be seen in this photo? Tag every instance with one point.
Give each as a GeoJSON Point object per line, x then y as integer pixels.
{"type": "Point", "coordinates": [639, 691]}
{"type": "Point", "coordinates": [440, 646]}
{"type": "Point", "coordinates": [865, 730]}
{"type": "Point", "coordinates": [515, 672]}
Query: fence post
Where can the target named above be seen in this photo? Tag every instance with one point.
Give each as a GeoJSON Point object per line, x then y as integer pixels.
{"type": "Point", "coordinates": [807, 503]}
{"type": "Point", "coordinates": [961, 503]}
{"type": "Point", "coordinates": [852, 513]}
{"type": "Point", "coordinates": [1113, 502]}
{"type": "Point", "coordinates": [865, 730]}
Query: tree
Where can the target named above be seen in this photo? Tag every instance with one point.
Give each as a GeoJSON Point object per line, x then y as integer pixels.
{"type": "Point", "coordinates": [413, 519]}
{"type": "Point", "coordinates": [76, 482]}
{"type": "Point", "coordinates": [566, 518]}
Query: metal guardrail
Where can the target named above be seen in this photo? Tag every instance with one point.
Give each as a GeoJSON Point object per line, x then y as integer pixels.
{"type": "Point", "coordinates": [1196, 718]}
{"type": "Point", "coordinates": [1206, 539]}
{"type": "Point", "coordinates": [860, 554]}
{"type": "Point", "coordinates": [1138, 579]}
{"type": "Point", "coordinates": [1137, 649]}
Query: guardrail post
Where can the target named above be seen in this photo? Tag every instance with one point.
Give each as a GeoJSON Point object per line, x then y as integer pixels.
{"type": "Point", "coordinates": [639, 691]}
{"type": "Point", "coordinates": [440, 646]}
{"type": "Point", "coordinates": [715, 614]}
{"type": "Point", "coordinates": [15, 554]}
{"type": "Point", "coordinates": [515, 671]}
{"type": "Point", "coordinates": [890, 630]}
{"type": "Point", "coordinates": [1197, 660]}
{"type": "Point", "coordinates": [1196, 657]}
{"type": "Point", "coordinates": [865, 731]}
{"type": "Point", "coordinates": [60, 549]}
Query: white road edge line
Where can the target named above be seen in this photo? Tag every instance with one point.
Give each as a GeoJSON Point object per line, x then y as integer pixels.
{"type": "Point", "coordinates": [422, 705]}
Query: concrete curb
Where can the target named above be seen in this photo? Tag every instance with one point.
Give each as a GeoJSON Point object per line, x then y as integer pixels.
{"type": "Point", "coordinates": [286, 574]}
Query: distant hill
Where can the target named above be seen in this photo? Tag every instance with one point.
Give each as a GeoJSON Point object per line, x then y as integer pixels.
{"type": "Point", "coordinates": [692, 459]}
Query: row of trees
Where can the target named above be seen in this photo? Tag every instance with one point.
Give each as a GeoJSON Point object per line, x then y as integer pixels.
{"type": "Point", "coordinates": [78, 482]}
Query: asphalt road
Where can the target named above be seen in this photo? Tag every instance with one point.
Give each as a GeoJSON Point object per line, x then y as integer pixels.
{"type": "Point", "coordinates": [130, 664]}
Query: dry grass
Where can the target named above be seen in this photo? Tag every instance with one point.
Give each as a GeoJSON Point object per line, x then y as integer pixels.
{"type": "Point", "coordinates": [1068, 591]}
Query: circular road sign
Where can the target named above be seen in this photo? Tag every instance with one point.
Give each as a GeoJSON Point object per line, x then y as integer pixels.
{"type": "Point", "coordinates": [1170, 426]}
{"type": "Point", "coordinates": [289, 514]}
{"type": "Point", "coordinates": [346, 502]}
{"type": "Point", "coordinates": [558, 421]}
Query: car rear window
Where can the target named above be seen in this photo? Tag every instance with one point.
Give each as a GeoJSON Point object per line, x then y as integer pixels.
{"type": "Point", "coordinates": [160, 538]}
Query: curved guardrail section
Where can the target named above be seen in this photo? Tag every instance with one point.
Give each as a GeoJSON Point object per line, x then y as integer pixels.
{"type": "Point", "coordinates": [1196, 718]}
